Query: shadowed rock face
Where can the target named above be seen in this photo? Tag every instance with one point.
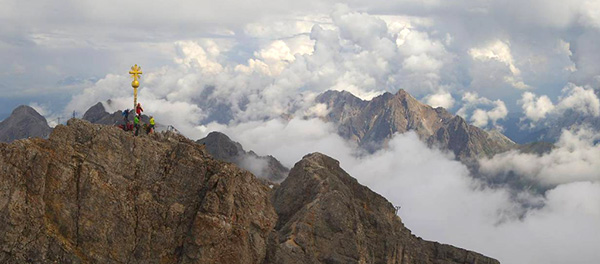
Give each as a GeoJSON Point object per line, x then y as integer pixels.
{"type": "Point", "coordinates": [24, 122]}
{"type": "Point", "coordinates": [373, 123]}
{"type": "Point", "coordinates": [223, 148]}
{"type": "Point", "coordinates": [96, 194]}
{"type": "Point", "coordinates": [96, 113]}
{"type": "Point", "coordinates": [326, 216]}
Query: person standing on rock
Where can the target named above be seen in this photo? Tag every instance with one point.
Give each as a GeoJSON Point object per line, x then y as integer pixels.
{"type": "Point", "coordinates": [151, 130]}
{"type": "Point", "coordinates": [126, 116]}
{"type": "Point", "coordinates": [139, 110]}
{"type": "Point", "coordinates": [136, 122]}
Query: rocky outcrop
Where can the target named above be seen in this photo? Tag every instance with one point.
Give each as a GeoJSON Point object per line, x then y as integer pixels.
{"type": "Point", "coordinates": [221, 147]}
{"type": "Point", "coordinates": [372, 123]}
{"type": "Point", "coordinates": [326, 216]}
{"type": "Point", "coordinates": [96, 194]}
{"type": "Point", "coordinates": [97, 114]}
{"type": "Point", "coordinates": [24, 122]}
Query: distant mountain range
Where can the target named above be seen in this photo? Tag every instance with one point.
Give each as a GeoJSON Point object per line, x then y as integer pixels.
{"type": "Point", "coordinates": [372, 123]}
{"type": "Point", "coordinates": [552, 129]}
{"type": "Point", "coordinates": [368, 123]}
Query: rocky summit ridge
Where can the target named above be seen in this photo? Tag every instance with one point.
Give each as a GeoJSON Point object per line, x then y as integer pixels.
{"type": "Point", "coordinates": [96, 194]}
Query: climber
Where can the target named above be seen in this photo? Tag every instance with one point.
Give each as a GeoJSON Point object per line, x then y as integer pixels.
{"type": "Point", "coordinates": [151, 130]}
{"type": "Point", "coordinates": [139, 110]}
{"type": "Point", "coordinates": [125, 115]}
{"type": "Point", "coordinates": [136, 122]}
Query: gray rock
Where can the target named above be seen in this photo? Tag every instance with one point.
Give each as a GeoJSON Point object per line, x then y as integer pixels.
{"type": "Point", "coordinates": [95, 194]}
{"type": "Point", "coordinates": [372, 123]}
{"type": "Point", "coordinates": [223, 148]}
{"type": "Point", "coordinates": [24, 122]}
{"type": "Point", "coordinates": [326, 216]}
{"type": "Point", "coordinates": [95, 113]}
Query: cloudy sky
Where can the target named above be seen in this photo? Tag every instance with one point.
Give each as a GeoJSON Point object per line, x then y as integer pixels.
{"type": "Point", "coordinates": [482, 59]}
{"type": "Point", "coordinates": [239, 66]}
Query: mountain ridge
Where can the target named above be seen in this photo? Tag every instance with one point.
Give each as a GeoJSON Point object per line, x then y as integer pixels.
{"type": "Point", "coordinates": [372, 123]}
{"type": "Point", "coordinates": [94, 193]}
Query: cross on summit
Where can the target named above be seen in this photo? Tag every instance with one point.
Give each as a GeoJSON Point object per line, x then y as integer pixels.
{"type": "Point", "coordinates": [135, 73]}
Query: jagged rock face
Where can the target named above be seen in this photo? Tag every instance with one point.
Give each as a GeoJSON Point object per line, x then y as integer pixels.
{"type": "Point", "coordinates": [223, 148]}
{"type": "Point", "coordinates": [373, 123]}
{"type": "Point", "coordinates": [326, 216]}
{"type": "Point", "coordinates": [95, 113]}
{"type": "Point", "coordinates": [24, 122]}
{"type": "Point", "coordinates": [97, 194]}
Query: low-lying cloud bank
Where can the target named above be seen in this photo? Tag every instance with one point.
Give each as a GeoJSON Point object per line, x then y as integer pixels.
{"type": "Point", "coordinates": [439, 199]}
{"type": "Point", "coordinates": [580, 99]}
{"type": "Point", "coordinates": [576, 158]}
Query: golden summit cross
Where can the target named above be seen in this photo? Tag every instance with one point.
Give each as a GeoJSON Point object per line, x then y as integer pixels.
{"type": "Point", "coordinates": [135, 72]}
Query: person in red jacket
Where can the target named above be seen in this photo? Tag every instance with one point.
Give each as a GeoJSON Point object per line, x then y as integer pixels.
{"type": "Point", "coordinates": [139, 109]}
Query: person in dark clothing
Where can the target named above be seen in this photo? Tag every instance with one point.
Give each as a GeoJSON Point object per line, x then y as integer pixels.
{"type": "Point", "coordinates": [126, 116]}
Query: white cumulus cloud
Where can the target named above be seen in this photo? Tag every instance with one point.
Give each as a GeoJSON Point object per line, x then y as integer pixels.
{"type": "Point", "coordinates": [442, 98]}
{"type": "Point", "coordinates": [484, 111]}
{"type": "Point", "coordinates": [580, 99]}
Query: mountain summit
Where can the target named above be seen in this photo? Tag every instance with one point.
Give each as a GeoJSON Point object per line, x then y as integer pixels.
{"type": "Point", "coordinates": [373, 123]}
{"type": "Point", "coordinates": [221, 147]}
{"type": "Point", "coordinates": [96, 194]}
{"type": "Point", "coordinates": [24, 122]}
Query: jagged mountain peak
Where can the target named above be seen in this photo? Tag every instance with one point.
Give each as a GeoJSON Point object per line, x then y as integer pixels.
{"type": "Point", "coordinates": [221, 142]}
{"type": "Point", "coordinates": [24, 122]}
{"type": "Point", "coordinates": [372, 123]}
{"type": "Point", "coordinates": [223, 148]}
{"type": "Point", "coordinates": [25, 109]}
{"type": "Point", "coordinates": [95, 113]}
{"type": "Point", "coordinates": [326, 216]}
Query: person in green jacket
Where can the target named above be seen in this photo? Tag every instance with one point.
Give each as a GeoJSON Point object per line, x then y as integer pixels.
{"type": "Point", "coordinates": [136, 123]}
{"type": "Point", "coordinates": [152, 124]}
